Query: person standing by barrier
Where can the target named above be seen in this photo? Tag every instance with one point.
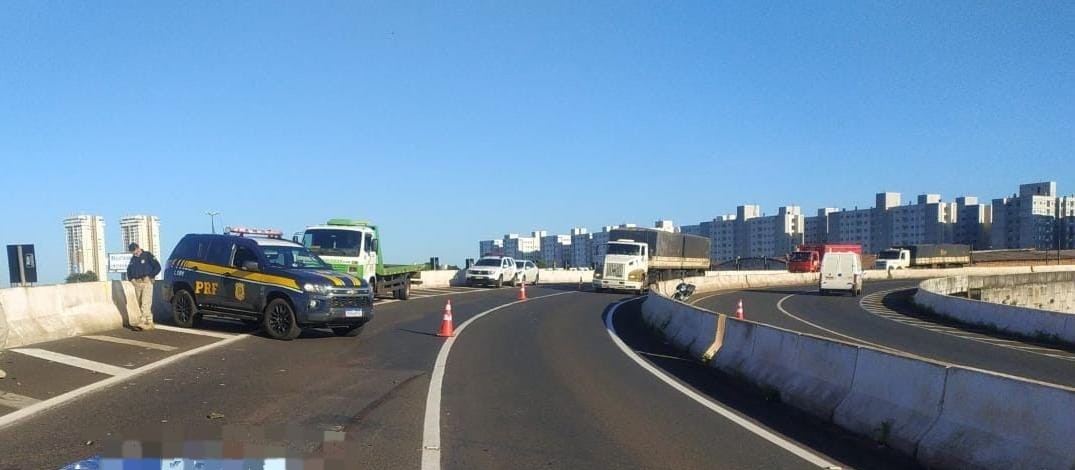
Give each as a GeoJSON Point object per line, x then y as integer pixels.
{"type": "Point", "coordinates": [141, 271]}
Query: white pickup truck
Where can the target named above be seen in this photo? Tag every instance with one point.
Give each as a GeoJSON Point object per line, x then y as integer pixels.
{"type": "Point", "coordinates": [493, 270]}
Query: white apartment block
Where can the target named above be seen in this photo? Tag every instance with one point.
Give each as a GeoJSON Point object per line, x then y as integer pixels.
{"type": "Point", "coordinates": [490, 247]}
{"type": "Point", "coordinates": [528, 248]}
{"type": "Point", "coordinates": [928, 221]}
{"type": "Point", "coordinates": [852, 226]}
{"type": "Point", "coordinates": [973, 223]}
{"type": "Point", "coordinates": [1029, 220]}
{"type": "Point", "coordinates": [580, 247]}
{"type": "Point", "coordinates": [722, 235]}
{"type": "Point", "coordinates": [85, 236]}
{"type": "Point", "coordinates": [816, 228]}
{"type": "Point", "coordinates": [553, 248]}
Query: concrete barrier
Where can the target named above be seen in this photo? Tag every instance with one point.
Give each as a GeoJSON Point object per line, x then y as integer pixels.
{"type": "Point", "coordinates": [934, 295]}
{"type": "Point", "coordinates": [992, 421]}
{"type": "Point", "coordinates": [46, 313]}
{"type": "Point", "coordinates": [942, 415]}
{"type": "Point", "coordinates": [893, 399]}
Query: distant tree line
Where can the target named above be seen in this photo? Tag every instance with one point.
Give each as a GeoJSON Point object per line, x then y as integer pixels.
{"type": "Point", "coordinates": [88, 276]}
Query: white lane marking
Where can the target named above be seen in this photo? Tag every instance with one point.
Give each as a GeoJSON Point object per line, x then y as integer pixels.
{"type": "Point", "coordinates": [73, 361]}
{"type": "Point", "coordinates": [131, 342]}
{"type": "Point", "coordinates": [43, 406]}
{"type": "Point", "coordinates": [780, 306]}
{"type": "Point", "coordinates": [728, 414]}
{"type": "Point", "coordinates": [16, 401]}
{"type": "Point", "coordinates": [895, 316]}
{"type": "Point", "coordinates": [431, 427]}
{"type": "Point", "coordinates": [191, 331]}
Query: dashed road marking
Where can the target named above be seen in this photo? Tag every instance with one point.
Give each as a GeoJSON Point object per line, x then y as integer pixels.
{"type": "Point", "coordinates": [131, 342]}
{"type": "Point", "coordinates": [16, 401]}
{"type": "Point", "coordinates": [874, 304]}
{"type": "Point", "coordinates": [74, 361]}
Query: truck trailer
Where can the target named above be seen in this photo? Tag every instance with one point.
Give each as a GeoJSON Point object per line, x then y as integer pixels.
{"type": "Point", "coordinates": [637, 257]}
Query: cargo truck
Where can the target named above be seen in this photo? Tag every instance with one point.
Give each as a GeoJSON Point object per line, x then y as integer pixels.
{"type": "Point", "coordinates": [926, 255]}
{"type": "Point", "coordinates": [637, 257]}
{"type": "Point", "coordinates": [353, 247]}
{"type": "Point", "coordinates": [807, 258]}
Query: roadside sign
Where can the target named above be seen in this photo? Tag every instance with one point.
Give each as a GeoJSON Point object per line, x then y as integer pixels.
{"type": "Point", "coordinates": [22, 264]}
{"type": "Point", "coordinates": [117, 262]}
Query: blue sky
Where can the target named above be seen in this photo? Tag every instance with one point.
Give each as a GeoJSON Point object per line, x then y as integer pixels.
{"type": "Point", "coordinates": [447, 123]}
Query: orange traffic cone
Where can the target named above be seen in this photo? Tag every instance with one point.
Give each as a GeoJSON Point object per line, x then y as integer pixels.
{"type": "Point", "coordinates": [447, 329]}
{"type": "Point", "coordinates": [739, 310]}
{"type": "Point", "coordinates": [522, 291]}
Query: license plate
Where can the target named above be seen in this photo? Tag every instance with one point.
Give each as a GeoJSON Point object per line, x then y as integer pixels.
{"type": "Point", "coordinates": [352, 312]}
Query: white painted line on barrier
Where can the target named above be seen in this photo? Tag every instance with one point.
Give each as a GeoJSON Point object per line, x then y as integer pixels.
{"type": "Point", "coordinates": [191, 331]}
{"type": "Point", "coordinates": [431, 425]}
{"type": "Point", "coordinates": [43, 406]}
{"type": "Point", "coordinates": [728, 414]}
{"type": "Point", "coordinates": [16, 401]}
{"type": "Point", "coordinates": [73, 361]}
{"type": "Point", "coordinates": [131, 342]}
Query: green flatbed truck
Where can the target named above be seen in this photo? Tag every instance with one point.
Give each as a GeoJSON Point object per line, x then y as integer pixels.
{"type": "Point", "coordinates": [353, 247]}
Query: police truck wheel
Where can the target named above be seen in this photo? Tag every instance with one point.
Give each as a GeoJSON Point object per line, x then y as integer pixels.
{"type": "Point", "coordinates": [348, 331]}
{"type": "Point", "coordinates": [279, 321]}
{"type": "Point", "coordinates": [184, 310]}
{"type": "Point", "coordinates": [500, 281]}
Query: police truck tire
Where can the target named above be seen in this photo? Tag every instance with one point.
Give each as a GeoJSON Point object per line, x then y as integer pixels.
{"type": "Point", "coordinates": [500, 281]}
{"type": "Point", "coordinates": [184, 309]}
{"type": "Point", "coordinates": [279, 321]}
{"type": "Point", "coordinates": [348, 331]}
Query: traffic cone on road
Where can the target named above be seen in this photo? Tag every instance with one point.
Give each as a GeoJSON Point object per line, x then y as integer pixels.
{"type": "Point", "coordinates": [739, 310]}
{"type": "Point", "coordinates": [522, 291]}
{"type": "Point", "coordinates": [447, 328]}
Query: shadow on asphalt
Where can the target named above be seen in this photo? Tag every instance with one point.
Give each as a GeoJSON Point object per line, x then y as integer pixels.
{"type": "Point", "coordinates": [824, 438]}
{"type": "Point", "coordinates": [901, 303]}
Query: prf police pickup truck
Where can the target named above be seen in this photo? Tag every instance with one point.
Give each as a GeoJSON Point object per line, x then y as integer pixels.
{"type": "Point", "coordinates": [257, 277]}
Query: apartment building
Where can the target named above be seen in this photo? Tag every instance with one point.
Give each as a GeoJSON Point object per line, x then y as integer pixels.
{"type": "Point", "coordinates": [85, 240]}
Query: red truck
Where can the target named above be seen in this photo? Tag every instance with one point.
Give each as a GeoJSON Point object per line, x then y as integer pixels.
{"type": "Point", "coordinates": [807, 258]}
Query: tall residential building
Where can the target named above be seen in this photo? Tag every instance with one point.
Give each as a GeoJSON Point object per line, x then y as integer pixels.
{"type": "Point", "coordinates": [490, 247]}
{"type": "Point", "coordinates": [580, 248]}
{"type": "Point", "coordinates": [816, 229]}
{"type": "Point", "coordinates": [86, 245]}
{"type": "Point", "coordinates": [973, 222]}
{"type": "Point", "coordinates": [722, 238]}
{"type": "Point", "coordinates": [143, 230]}
{"type": "Point", "coordinates": [928, 221]}
{"type": "Point", "coordinates": [553, 248]}
{"type": "Point", "coordinates": [871, 228]}
{"type": "Point", "coordinates": [775, 235]}
{"type": "Point", "coordinates": [599, 244]}
{"type": "Point", "coordinates": [520, 248]}
{"type": "Point", "coordinates": [1028, 220]}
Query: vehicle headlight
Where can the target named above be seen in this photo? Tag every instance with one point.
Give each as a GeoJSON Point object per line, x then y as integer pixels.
{"type": "Point", "coordinates": [315, 288]}
{"type": "Point", "coordinates": [597, 274]}
{"type": "Point", "coordinates": [636, 275]}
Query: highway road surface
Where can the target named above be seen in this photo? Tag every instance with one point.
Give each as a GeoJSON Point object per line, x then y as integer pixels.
{"type": "Point", "coordinates": [565, 379]}
{"type": "Point", "coordinates": [884, 317]}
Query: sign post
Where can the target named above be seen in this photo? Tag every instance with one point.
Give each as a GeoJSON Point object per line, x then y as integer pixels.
{"type": "Point", "coordinates": [22, 264]}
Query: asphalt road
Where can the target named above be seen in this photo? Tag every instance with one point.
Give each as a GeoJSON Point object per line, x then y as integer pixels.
{"type": "Point", "coordinates": [534, 384]}
{"type": "Point", "coordinates": [884, 317]}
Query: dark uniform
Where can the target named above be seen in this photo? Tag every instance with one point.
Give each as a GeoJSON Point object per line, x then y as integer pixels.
{"type": "Point", "coordinates": [141, 271]}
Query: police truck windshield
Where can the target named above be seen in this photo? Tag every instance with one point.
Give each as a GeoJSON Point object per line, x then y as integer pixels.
{"type": "Point", "coordinates": [293, 257]}
{"type": "Point", "coordinates": [330, 242]}
{"type": "Point", "coordinates": [488, 262]}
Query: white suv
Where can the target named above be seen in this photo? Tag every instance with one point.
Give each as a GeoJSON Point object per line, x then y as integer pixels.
{"type": "Point", "coordinates": [493, 270]}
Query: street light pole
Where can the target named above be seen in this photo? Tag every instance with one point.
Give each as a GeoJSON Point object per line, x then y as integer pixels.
{"type": "Point", "coordinates": [212, 219]}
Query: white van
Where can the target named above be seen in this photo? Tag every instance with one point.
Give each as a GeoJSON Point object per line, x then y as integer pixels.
{"type": "Point", "coordinates": [841, 272]}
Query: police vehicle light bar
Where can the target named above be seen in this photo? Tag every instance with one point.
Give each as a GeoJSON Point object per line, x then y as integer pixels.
{"type": "Point", "coordinates": [240, 231]}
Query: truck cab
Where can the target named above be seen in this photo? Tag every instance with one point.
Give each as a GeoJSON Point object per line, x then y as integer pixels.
{"type": "Point", "coordinates": [353, 247]}
{"type": "Point", "coordinates": [625, 267]}
{"type": "Point", "coordinates": [893, 258]}
{"type": "Point", "coordinates": [804, 262]}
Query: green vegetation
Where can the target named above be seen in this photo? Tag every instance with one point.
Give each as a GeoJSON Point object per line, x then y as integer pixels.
{"type": "Point", "coordinates": [88, 276]}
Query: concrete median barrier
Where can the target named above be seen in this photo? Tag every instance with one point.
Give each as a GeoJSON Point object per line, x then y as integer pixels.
{"type": "Point", "coordinates": [942, 415]}
{"type": "Point", "coordinates": [893, 399]}
{"type": "Point", "coordinates": [997, 422]}
{"type": "Point", "coordinates": [46, 313]}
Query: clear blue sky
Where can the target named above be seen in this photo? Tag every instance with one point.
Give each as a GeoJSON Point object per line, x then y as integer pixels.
{"type": "Point", "coordinates": [447, 123]}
